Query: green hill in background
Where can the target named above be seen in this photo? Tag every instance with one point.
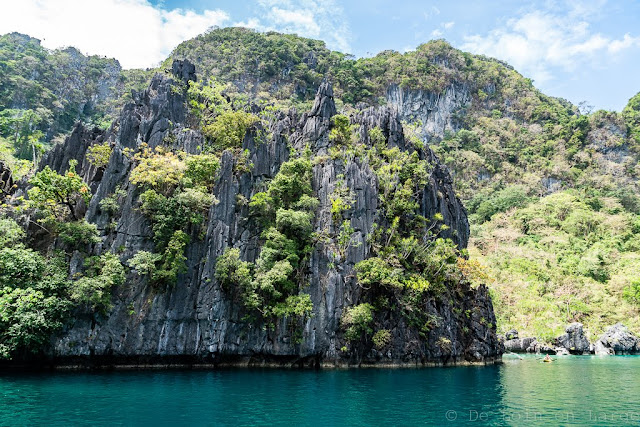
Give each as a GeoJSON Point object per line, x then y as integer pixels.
{"type": "Point", "coordinates": [552, 193]}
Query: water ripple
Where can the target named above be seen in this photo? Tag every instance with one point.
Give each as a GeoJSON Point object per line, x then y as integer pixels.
{"type": "Point", "coordinates": [571, 391]}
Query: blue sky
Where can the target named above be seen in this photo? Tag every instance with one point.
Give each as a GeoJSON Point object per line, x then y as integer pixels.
{"type": "Point", "coordinates": [580, 50]}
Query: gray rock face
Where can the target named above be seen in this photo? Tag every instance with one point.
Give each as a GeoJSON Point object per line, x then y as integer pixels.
{"type": "Point", "coordinates": [574, 339]}
{"type": "Point", "coordinates": [439, 196]}
{"type": "Point", "coordinates": [184, 70]}
{"type": "Point", "coordinates": [511, 335]}
{"type": "Point", "coordinates": [519, 345]}
{"type": "Point", "coordinates": [195, 321]}
{"type": "Point", "coordinates": [154, 111]}
{"type": "Point", "coordinates": [436, 111]}
{"type": "Point", "coordinates": [606, 142]}
{"type": "Point", "coordinates": [538, 348]}
{"type": "Point", "coordinates": [75, 148]}
{"type": "Point", "coordinates": [6, 181]}
{"type": "Point", "coordinates": [617, 340]}
{"type": "Point", "coordinates": [599, 349]}
{"type": "Point", "coordinates": [525, 345]}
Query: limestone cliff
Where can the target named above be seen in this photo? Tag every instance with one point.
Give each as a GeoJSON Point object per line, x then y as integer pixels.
{"type": "Point", "coordinates": [195, 321]}
{"type": "Point", "coordinates": [437, 112]}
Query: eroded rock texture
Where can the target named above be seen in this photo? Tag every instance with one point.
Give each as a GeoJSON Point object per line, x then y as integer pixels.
{"type": "Point", "coordinates": [574, 339]}
{"type": "Point", "coordinates": [6, 181]}
{"type": "Point", "coordinates": [617, 339]}
{"type": "Point", "coordinates": [195, 321]}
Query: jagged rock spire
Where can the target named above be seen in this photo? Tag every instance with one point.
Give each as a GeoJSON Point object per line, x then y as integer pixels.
{"type": "Point", "coordinates": [184, 70]}
{"type": "Point", "coordinates": [316, 122]}
{"type": "Point", "coordinates": [6, 180]}
{"type": "Point", "coordinates": [324, 105]}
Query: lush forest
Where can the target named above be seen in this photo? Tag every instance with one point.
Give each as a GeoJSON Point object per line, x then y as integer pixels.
{"type": "Point", "coordinates": [43, 93]}
{"type": "Point", "coordinates": [551, 189]}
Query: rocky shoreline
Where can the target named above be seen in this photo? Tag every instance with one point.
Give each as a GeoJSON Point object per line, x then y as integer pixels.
{"type": "Point", "coordinates": [616, 340]}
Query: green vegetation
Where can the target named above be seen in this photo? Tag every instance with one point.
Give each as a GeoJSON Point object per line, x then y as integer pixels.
{"type": "Point", "coordinates": [410, 263]}
{"type": "Point", "coordinates": [484, 207]}
{"type": "Point", "coordinates": [56, 197]}
{"type": "Point", "coordinates": [631, 114]}
{"type": "Point", "coordinates": [232, 272]}
{"type": "Point", "coordinates": [286, 69]}
{"type": "Point", "coordinates": [229, 128]}
{"type": "Point", "coordinates": [101, 275]}
{"type": "Point", "coordinates": [34, 300]}
{"type": "Point", "coordinates": [56, 200]}
{"type": "Point", "coordinates": [222, 125]}
{"type": "Point", "coordinates": [43, 93]}
{"type": "Point", "coordinates": [571, 256]}
{"type": "Point", "coordinates": [176, 200]}
{"type": "Point", "coordinates": [201, 169]}
{"type": "Point", "coordinates": [10, 233]}
{"type": "Point", "coordinates": [381, 339]}
{"type": "Point", "coordinates": [158, 170]}
{"type": "Point", "coordinates": [111, 203]}
{"type": "Point", "coordinates": [444, 344]}
{"type": "Point", "coordinates": [294, 65]}
{"type": "Point", "coordinates": [36, 295]}
{"type": "Point", "coordinates": [77, 234]}
{"type": "Point", "coordinates": [272, 287]}
{"type": "Point", "coordinates": [342, 132]}
{"type": "Point", "coordinates": [19, 128]}
{"type": "Point", "coordinates": [356, 321]}
{"type": "Point", "coordinates": [632, 292]}
{"type": "Point", "coordinates": [567, 256]}
{"type": "Point", "coordinates": [144, 262]}
{"type": "Point", "coordinates": [256, 63]}
{"type": "Point", "coordinates": [99, 154]}
{"type": "Point", "coordinates": [169, 214]}
{"type": "Point", "coordinates": [173, 260]}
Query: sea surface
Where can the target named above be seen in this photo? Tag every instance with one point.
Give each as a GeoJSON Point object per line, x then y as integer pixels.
{"type": "Point", "coordinates": [573, 390]}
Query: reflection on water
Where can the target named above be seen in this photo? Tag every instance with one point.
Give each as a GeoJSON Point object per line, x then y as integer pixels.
{"type": "Point", "coordinates": [570, 391]}
{"type": "Point", "coordinates": [577, 390]}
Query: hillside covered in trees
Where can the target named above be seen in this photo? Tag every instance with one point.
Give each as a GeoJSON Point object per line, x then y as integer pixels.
{"type": "Point", "coordinates": [43, 93]}
{"type": "Point", "coordinates": [551, 191]}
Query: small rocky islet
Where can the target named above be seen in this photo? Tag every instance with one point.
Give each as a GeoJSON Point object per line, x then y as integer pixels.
{"type": "Point", "coordinates": [616, 340]}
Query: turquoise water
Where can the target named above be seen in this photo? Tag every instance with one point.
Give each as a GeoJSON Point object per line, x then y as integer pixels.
{"type": "Point", "coordinates": [571, 391]}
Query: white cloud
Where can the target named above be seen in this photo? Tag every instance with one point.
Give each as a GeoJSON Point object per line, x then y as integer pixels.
{"type": "Point", "coordinates": [434, 11]}
{"type": "Point", "coordinates": [584, 9]}
{"type": "Point", "coordinates": [320, 19]}
{"type": "Point", "coordinates": [272, 3]}
{"type": "Point", "coordinates": [253, 23]}
{"type": "Point", "coordinates": [444, 27]}
{"type": "Point", "coordinates": [536, 42]}
{"type": "Point", "coordinates": [132, 31]}
{"type": "Point", "coordinates": [407, 48]}
{"type": "Point", "coordinates": [296, 21]}
{"type": "Point", "coordinates": [140, 35]}
{"type": "Point", "coordinates": [625, 43]}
